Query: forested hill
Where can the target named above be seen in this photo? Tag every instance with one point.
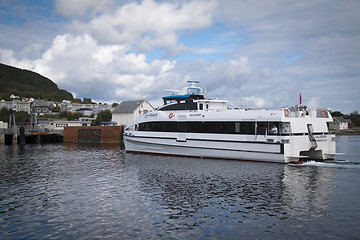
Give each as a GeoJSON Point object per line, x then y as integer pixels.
{"type": "Point", "coordinates": [24, 83]}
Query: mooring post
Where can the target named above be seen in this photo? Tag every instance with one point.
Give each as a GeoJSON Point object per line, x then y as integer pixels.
{"type": "Point", "coordinates": [22, 135]}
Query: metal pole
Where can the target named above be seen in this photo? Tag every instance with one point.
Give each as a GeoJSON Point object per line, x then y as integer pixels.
{"type": "Point", "coordinates": [14, 119]}
{"type": "Point", "coordinates": [9, 125]}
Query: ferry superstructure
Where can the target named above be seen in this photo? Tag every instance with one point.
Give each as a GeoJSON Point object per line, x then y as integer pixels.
{"type": "Point", "coordinates": [190, 125]}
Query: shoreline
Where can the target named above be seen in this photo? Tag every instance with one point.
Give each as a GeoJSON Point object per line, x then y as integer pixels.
{"type": "Point", "coordinates": [353, 131]}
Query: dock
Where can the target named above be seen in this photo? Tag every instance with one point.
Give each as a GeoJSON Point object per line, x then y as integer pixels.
{"type": "Point", "coordinates": [83, 134]}
{"type": "Point", "coordinates": [22, 136]}
{"type": "Point", "coordinates": [93, 134]}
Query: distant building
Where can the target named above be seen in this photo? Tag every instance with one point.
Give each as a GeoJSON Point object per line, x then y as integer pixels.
{"type": "Point", "coordinates": [128, 111]}
{"type": "Point", "coordinates": [15, 105]}
{"type": "Point", "coordinates": [12, 96]}
{"type": "Point", "coordinates": [3, 125]}
{"type": "Point", "coordinates": [28, 99]}
{"type": "Point", "coordinates": [339, 123]}
{"type": "Point", "coordinates": [21, 106]}
{"type": "Point", "coordinates": [85, 111]}
{"type": "Point", "coordinates": [95, 108]}
{"type": "Point", "coordinates": [108, 123]}
{"type": "Point", "coordinates": [59, 125]}
{"type": "Point", "coordinates": [39, 107]}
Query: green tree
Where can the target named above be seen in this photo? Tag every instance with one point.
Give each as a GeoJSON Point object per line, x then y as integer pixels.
{"type": "Point", "coordinates": [70, 116]}
{"type": "Point", "coordinates": [354, 116]}
{"type": "Point", "coordinates": [21, 116]}
{"type": "Point", "coordinates": [56, 109]}
{"type": "Point", "coordinates": [24, 83]}
{"type": "Point", "coordinates": [74, 116]}
{"type": "Point", "coordinates": [4, 114]}
{"type": "Point", "coordinates": [337, 114]}
{"type": "Point", "coordinates": [87, 100]}
{"type": "Point", "coordinates": [64, 114]}
{"type": "Point", "coordinates": [103, 116]}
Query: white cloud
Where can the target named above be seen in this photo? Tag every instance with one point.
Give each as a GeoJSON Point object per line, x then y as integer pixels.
{"type": "Point", "coordinates": [82, 8]}
{"type": "Point", "coordinates": [149, 24]}
{"type": "Point", "coordinates": [80, 65]}
{"type": "Point", "coordinates": [314, 102]}
{"type": "Point", "coordinates": [253, 102]}
{"type": "Point", "coordinates": [7, 56]}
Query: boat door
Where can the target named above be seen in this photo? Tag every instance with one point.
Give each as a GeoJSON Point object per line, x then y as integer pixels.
{"type": "Point", "coordinates": [181, 127]}
{"type": "Point", "coordinates": [261, 131]}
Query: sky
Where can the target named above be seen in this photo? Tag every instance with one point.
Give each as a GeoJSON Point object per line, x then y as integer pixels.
{"type": "Point", "coordinates": [253, 53]}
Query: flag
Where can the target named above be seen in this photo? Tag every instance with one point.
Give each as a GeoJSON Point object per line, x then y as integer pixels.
{"type": "Point", "coordinates": [300, 99]}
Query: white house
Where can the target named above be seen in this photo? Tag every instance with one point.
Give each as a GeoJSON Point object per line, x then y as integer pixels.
{"type": "Point", "coordinates": [3, 125]}
{"type": "Point", "coordinates": [339, 123]}
{"type": "Point", "coordinates": [15, 105]}
{"type": "Point", "coordinates": [85, 111]}
{"type": "Point", "coordinates": [94, 108]}
{"type": "Point", "coordinates": [128, 111]}
{"type": "Point", "coordinates": [59, 125]}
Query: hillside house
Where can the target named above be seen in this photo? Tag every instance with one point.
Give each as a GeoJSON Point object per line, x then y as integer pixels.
{"type": "Point", "coordinates": [3, 125]}
{"type": "Point", "coordinates": [76, 107]}
{"type": "Point", "coordinates": [15, 105]}
{"type": "Point", "coordinates": [84, 111]}
{"type": "Point", "coordinates": [39, 107]}
{"type": "Point", "coordinates": [339, 123]}
{"type": "Point", "coordinates": [128, 111]}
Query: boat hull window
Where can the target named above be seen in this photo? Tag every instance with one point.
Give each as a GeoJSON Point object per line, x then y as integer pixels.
{"type": "Point", "coordinates": [261, 128]}
{"type": "Point", "coordinates": [200, 127]}
{"type": "Point", "coordinates": [180, 106]}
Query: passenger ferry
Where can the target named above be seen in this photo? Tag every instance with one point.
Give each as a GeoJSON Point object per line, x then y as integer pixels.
{"type": "Point", "coordinates": [192, 126]}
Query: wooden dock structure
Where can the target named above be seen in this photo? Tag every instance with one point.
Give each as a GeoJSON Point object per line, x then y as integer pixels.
{"type": "Point", "coordinates": [22, 137]}
{"type": "Point", "coordinates": [83, 134]}
{"type": "Point", "coordinates": [94, 134]}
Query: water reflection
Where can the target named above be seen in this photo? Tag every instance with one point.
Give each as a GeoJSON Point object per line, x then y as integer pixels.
{"type": "Point", "coordinates": [81, 191]}
{"type": "Point", "coordinates": [48, 189]}
{"type": "Point", "coordinates": [231, 190]}
{"type": "Point", "coordinates": [308, 189]}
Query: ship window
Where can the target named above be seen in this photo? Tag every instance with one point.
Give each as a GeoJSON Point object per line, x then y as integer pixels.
{"type": "Point", "coordinates": [180, 106]}
{"type": "Point", "coordinates": [194, 91]}
{"type": "Point", "coordinates": [181, 127]}
{"type": "Point", "coordinates": [200, 127]}
{"type": "Point", "coordinates": [201, 106]}
{"type": "Point", "coordinates": [228, 127]}
{"type": "Point", "coordinates": [261, 128]}
{"type": "Point", "coordinates": [285, 128]}
{"type": "Point", "coordinates": [194, 127]}
{"type": "Point", "coordinates": [211, 127]}
{"type": "Point", "coordinates": [247, 128]}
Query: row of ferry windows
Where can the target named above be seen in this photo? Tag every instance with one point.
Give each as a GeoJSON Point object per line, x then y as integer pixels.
{"type": "Point", "coordinates": [213, 127]}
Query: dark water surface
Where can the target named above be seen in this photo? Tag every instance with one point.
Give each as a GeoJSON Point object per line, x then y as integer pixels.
{"type": "Point", "coordinates": [69, 191]}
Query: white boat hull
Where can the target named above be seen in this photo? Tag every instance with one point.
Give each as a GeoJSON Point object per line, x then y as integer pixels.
{"type": "Point", "coordinates": [283, 149]}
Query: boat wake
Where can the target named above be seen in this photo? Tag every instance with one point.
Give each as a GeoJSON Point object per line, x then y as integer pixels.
{"type": "Point", "coordinates": [332, 164]}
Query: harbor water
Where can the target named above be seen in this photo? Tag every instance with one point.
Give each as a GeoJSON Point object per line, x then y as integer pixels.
{"type": "Point", "coordinates": [74, 191]}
